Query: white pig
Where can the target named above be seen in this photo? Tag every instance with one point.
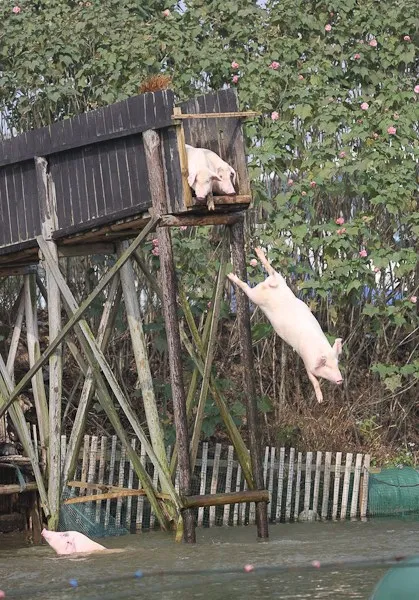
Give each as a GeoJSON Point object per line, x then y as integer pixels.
{"type": "Point", "coordinates": [209, 174]}
{"type": "Point", "coordinates": [295, 324]}
{"type": "Point", "coordinates": [70, 542]}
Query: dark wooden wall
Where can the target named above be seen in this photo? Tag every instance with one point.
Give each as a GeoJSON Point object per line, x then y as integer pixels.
{"type": "Point", "coordinates": [97, 164]}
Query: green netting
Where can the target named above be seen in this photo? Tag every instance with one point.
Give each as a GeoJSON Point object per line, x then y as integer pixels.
{"type": "Point", "coordinates": [89, 518]}
{"type": "Point", "coordinates": [394, 492]}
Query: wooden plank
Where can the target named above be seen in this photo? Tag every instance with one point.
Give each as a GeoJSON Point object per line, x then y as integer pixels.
{"type": "Point", "coordinates": [242, 507]}
{"type": "Point", "coordinates": [326, 485]}
{"type": "Point", "coordinates": [59, 136]}
{"type": "Point", "coordinates": [203, 479]}
{"type": "Point", "coordinates": [91, 473]}
{"type": "Point", "coordinates": [155, 482]}
{"type": "Point", "coordinates": [128, 516]}
{"type": "Point", "coordinates": [110, 477]}
{"type": "Point", "coordinates": [355, 488]}
{"type": "Point", "coordinates": [364, 488]}
{"type": "Point", "coordinates": [139, 523]}
{"type": "Point", "coordinates": [297, 486]}
{"type": "Point", "coordinates": [290, 484]}
{"type": "Point", "coordinates": [217, 115]}
{"type": "Point", "coordinates": [214, 481]}
{"type": "Point", "coordinates": [5, 230]}
{"type": "Point", "coordinates": [14, 342]}
{"type": "Point", "coordinates": [63, 451]}
{"type": "Point", "coordinates": [121, 477]}
{"type": "Point", "coordinates": [271, 477]}
{"type": "Point", "coordinates": [85, 462]}
{"type": "Point", "coordinates": [222, 499]}
{"type": "Point", "coordinates": [317, 481]}
{"type": "Point", "coordinates": [238, 486]}
{"type": "Point", "coordinates": [336, 486]}
{"type": "Point", "coordinates": [265, 466]}
{"type": "Point", "coordinates": [227, 489]}
{"type": "Point", "coordinates": [307, 483]}
{"type": "Point", "coordinates": [346, 482]}
{"type": "Point", "coordinates": [101, 473]}
{"type": "Point", "coordinates": [280, 484]}
{"type": "Point", "coordinates": [11, 488]}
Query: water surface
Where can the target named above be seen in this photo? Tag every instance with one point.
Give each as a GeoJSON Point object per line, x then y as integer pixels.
{"type": "Point", "coordinates": [36, 572]}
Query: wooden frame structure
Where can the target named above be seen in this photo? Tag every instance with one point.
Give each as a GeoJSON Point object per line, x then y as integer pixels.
{"type": "Point", "coordinates": [87, 185]}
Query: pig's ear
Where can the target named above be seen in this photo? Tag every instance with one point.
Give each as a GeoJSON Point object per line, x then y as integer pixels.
{"type": "Point", "coordinates": [215, 176]}
{"type": "Point", "coordinates": [191, 178]}
{"type": "Point", "coordinates": [321, 362]}
{"type": "Point", "coordinates": [337, 347]}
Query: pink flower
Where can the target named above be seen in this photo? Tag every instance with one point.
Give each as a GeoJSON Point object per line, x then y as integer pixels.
{"type": "Point", "coordinates": [359, 121]}
{"type": "Point", "coordinates": [365, 106]}
{"type": "Point", "coordinates": [357, 56]}
{"type": "Point", "coordinates": [253, 262]}
{"type": "Point", "coordinates": [304, 193]}
{"type": "Point", "coordinates": [155, 242]}
{"type": "Point", "coordinates": [363, 253]}
{"type": "Point", "coordinates": [377, 269]}
{"type": "Point", "coordinates": [301, 77]}
{"type": "Point", "coordinates": [416, 89]}
{"type": "Point", "coordinates": [166, 12]}
{"type": "Point", "coordinates": [235, 65]}
{"type": "Point", "coordinates": [373, 43]}
{"type": "Point", "coordinates": [340, 231]}
{"type": "Point", "coordinates": [413, 299]}
{"type": "Point", "coordinates": [375, 135]}
{"type": "Point", "coordinates": [391, 130]}
{"type": "Point", "coordinates": [275, 116]}
{"type": "Point", "coordinates": [340, 221]}
{"type": "Point", "coordinates": [365, 218]}
{"type": "Point", "coordinates": [313, 184]}
{"type": "Point", "coordinates": [290, 182]}
{"type": "Point", "coordinates": [155, 251]}
{"type": "Point", "coordinates": [274, 65]}
{"type": "Point", "coordinates": [183, 227]}
{"type": "Point", "coordinates": [235, 78]}
{"type": "Point", "coordinates": [342, 154]}
{"type": "Point", "coordinates": [248, 568]}
{"type": "Point", "coordinates": [16, 10]}
{"type": "Point", "coordinates": [406, 38]}
{"type": "Point", "coordinates": [328, 27]}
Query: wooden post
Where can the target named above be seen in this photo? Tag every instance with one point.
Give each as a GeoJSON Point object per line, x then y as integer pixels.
{"type": "Point", "coordinates": [245, 336]}
{"type": "Point", "coordinates": [168, 282]}
{"type": "Point", "coordinates": [46, 197]}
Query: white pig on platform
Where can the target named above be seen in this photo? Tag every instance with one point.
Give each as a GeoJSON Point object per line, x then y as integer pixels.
{"type": "Point", "coordinates": [70, 542]}
{"type": "Point", "coordinates": [295, 324]}
{"type": "Point", "coordinates": [209, 174]}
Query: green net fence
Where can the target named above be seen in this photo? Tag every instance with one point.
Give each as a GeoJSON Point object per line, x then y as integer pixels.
{"type": "Point", "coordinates": [394, 492]}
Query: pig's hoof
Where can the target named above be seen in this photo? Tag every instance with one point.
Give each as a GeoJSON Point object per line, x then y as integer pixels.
{"type": "Point", "coordinates": [232, 277]}
{"type": "Point", "coordinates": [260, 253]}
{"type": "Point", "coordinates": [211, 205]}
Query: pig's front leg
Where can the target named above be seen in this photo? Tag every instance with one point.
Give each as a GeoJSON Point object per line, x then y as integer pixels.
{"type": "Point", "coordinates": [316, 386]}
{"type": "Point", "coordinates": [210, 202]}
{"type": "Point", "coordinates": [262, 257]}
{"type": "Point", "coordinates": [241, 284]}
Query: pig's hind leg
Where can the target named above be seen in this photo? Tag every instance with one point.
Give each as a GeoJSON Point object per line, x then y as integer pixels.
{"type": "Point", "coordinates": [265, 262]}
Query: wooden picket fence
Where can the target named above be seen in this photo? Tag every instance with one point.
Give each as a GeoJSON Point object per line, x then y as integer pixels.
{"type": "Point", "coordinates": [302, 486]}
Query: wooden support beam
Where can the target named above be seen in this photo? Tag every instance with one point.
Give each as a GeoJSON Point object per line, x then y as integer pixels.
{"type": "Point", "coordinates": [227, 498]}
{"type": "Point", "coordinates": [106, 325]}
{"type": "Point", "coordinates": [11, 488]}
{"type": "Point", "coordinates": [167, 269]}
{"type": "Point", "coordinates": [102, 371]}
{"type": "Point", "coordinates": [245, 114]}
{"type": "Point", "coordinates": [17, 270]}
{"type": "Point", "coordinates": [79, 313]}
{"type": "Point", "coordinates": [189, 220]}
{"type": "Point", "coordinates": [183, 159]}
{"type": "Point", "coordinates": [245, 337]}
{"type": "Point", "coordinates": [47, 204]}
{"type": "Point", "coordinates": [86, 249]}
{"type": "Point", "coordinates": [14, 342]}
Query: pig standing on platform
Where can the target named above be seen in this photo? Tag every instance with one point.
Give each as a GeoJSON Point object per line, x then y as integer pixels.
{"type": "Point", "coordinates": [209, 174]}
{"type": "Point", "coordinates": [295, 324]}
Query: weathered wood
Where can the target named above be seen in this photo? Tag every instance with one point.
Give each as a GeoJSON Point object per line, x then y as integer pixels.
{"type": "Point", "coordinates": [203, 479]}
{"type": "Point", "coordinates": [289, 484]}
{"type": "Point", "coordinates": [214, 481]}
{"type": "Point", "coordinates": [355, 488]}
{"type": "Point", "coordinates": [229, 474]}
{"type": "Point", "coordinates": [297, 486]}
{"type": "Point", "coordinates": [79, 313]}
{"type": "Point", "coordinates": [130, 482]}
{"type": "Point", "coordinates": [280, 484]}
{"type": "Point", "coordinates": [238, 486]}
{"type": "Point", "coordinates": [139, 347]}
{"type": "Point", "coordinates": [140, 502]}
{"type": "Point", "coordinates": [363, 500]}
{"type": "Point", "coordinates": [317, 481]}
{"type": "Point", "coordinates": [47, 206]}
{"type": "Point", "coordinates": [104, 333]}
{"type": "Point", "coordinates": [246, 114]}
{"type": "Point", "coordinates": [86, 249]}
{"type": "Point", "coordinates": [121, 477]}
{"type": "Point", "coordinates": [245, 336]}
{"type": "Point", "coordinates": [158, 195]}
{"type": "Point", "coordinates": [6, 489]}
{"type": "Point", "coordinates": [345, 490]}
{"type": "Point", "coordinates": [326, 484]}
{"type": "Point", "coordinates": [210, 350]}
{"type": "Point", "coordinates": [111, 476]}
{"type": "Point", "coordinates": [336, 485]}
{"type": "Point", "coordinates": [39, 395]}
{"type": "Point", "coordinates": [14, 342]}
{"type": "Point", "coordinates": [307, 482]}
{"type": "Point", "coordinates": [183, 159]}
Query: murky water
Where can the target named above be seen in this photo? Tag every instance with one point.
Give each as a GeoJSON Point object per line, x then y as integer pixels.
{"type": "Point", "coordinates": [36, 572]}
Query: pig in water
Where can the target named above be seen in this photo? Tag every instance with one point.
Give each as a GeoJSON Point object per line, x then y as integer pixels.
{"type": "Point", "coordinates": [209, 174]}
{"type": "Point", "coordinates": [70, 542]}
{"type": "Point", "coordinates": [295, 324]}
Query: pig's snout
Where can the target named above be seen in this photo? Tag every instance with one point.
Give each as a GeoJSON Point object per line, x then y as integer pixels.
{"type": "Point", "coordinates": [339, 381]}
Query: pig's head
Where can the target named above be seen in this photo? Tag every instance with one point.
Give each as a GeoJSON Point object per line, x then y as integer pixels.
{"type": "Point", "coordinates": [326, 365]}
{"type": "Point", "coordinates": [202, 182]}
{"type": "Point", "coordinates": [61, 542]}
{"type": "Point", "coordinates": [224, 184]}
